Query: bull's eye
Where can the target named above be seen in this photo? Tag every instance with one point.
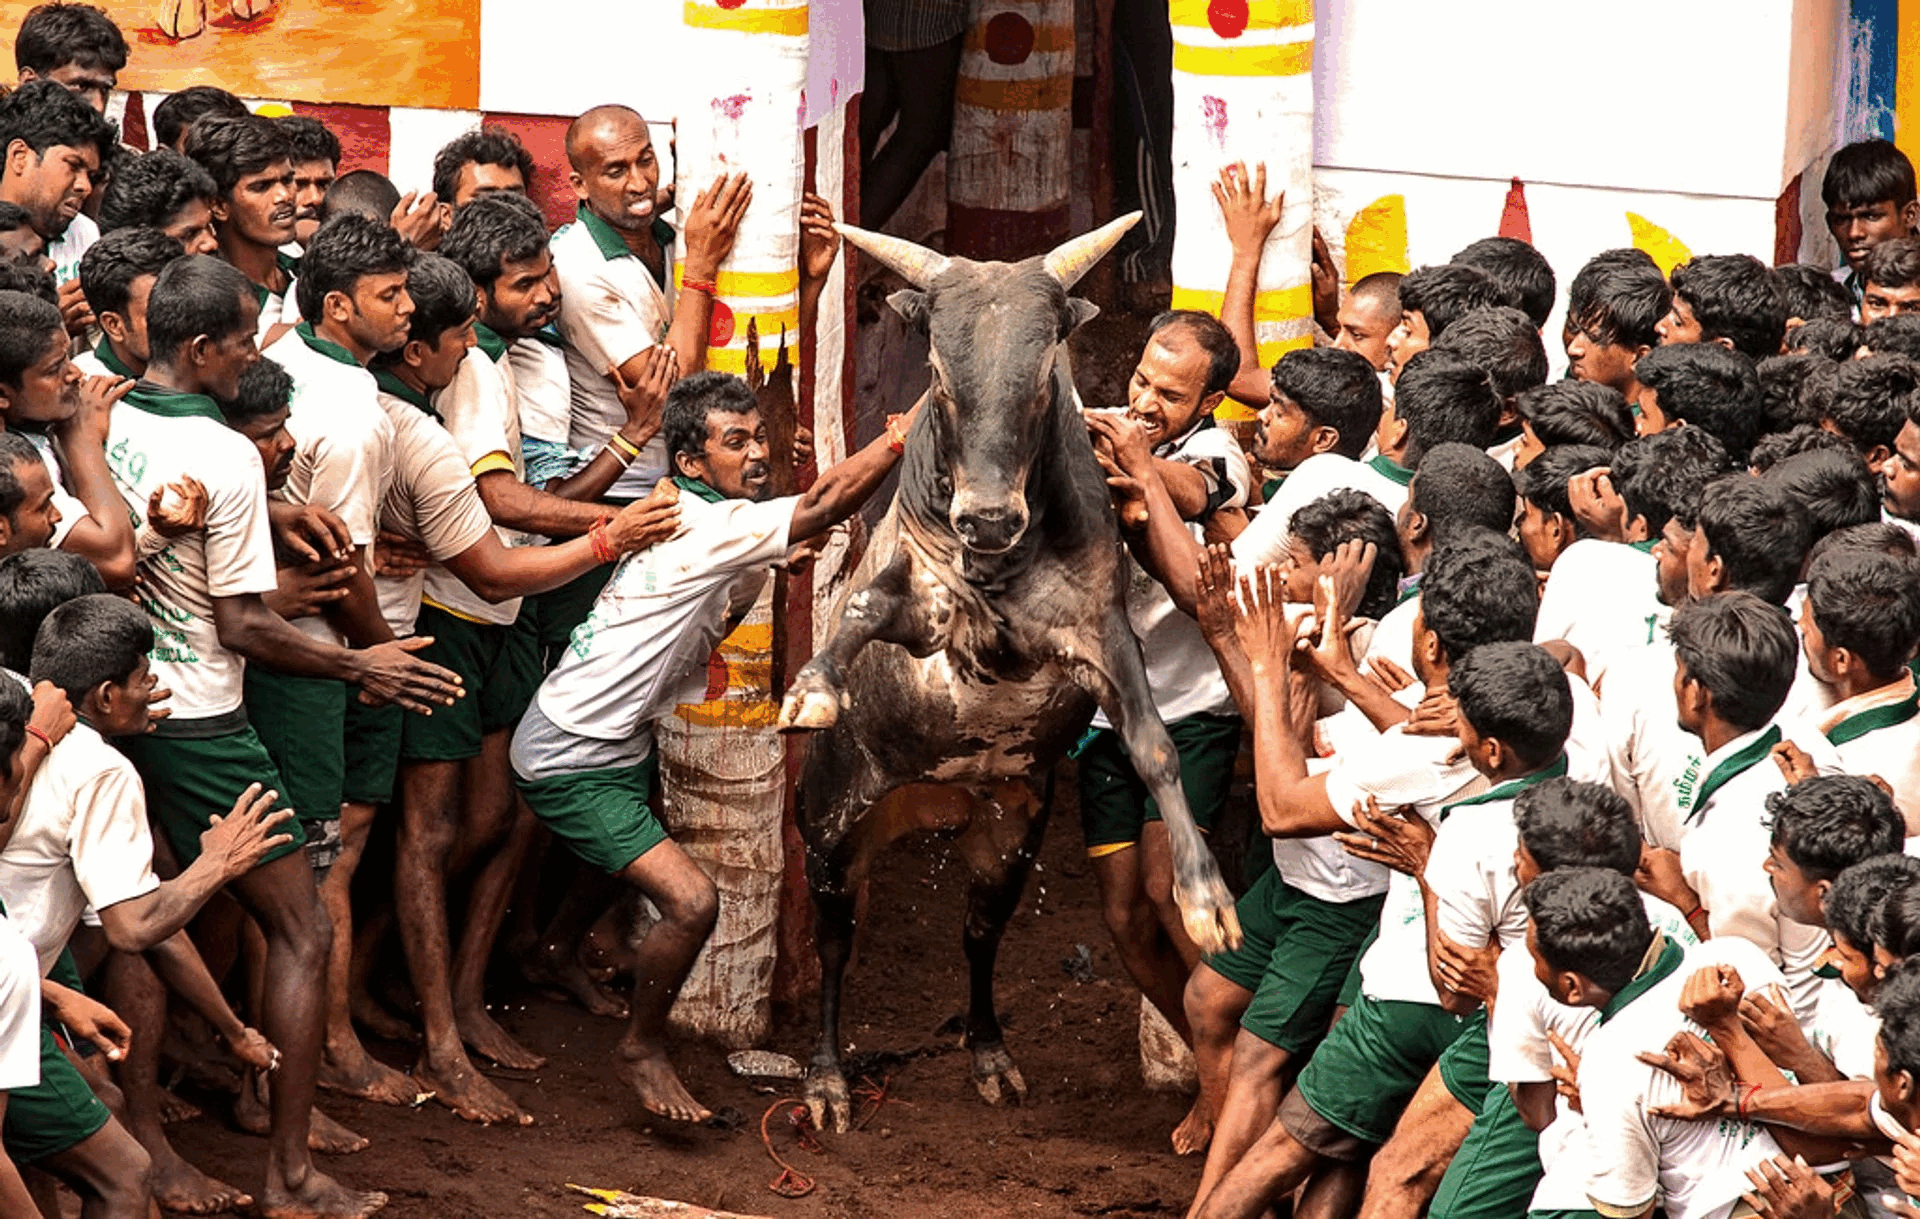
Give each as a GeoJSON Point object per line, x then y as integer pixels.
{"type": "Point", "coordinates": [943, 484]}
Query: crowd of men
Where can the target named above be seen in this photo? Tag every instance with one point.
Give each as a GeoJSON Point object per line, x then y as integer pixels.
{"type": "Point", "coordinates": [1583, 715]}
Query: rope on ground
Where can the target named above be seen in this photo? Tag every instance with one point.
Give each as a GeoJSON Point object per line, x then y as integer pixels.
{"type": "Point", "coordinates": [791, 1183]}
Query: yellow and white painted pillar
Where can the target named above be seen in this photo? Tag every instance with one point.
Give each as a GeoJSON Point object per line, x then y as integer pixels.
{"type": "Point", "coordinates": [1243, 91]}
{"type": "Point", "coordinates": [1009, 168]}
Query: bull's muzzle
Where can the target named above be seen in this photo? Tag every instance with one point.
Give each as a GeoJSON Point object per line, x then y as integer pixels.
{"type": "Point", "coordinates": [989, 528]}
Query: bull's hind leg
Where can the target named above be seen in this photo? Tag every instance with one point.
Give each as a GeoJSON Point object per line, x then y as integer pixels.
{"type": "Point", "coordinates": [999, 845]}
{"type": "Point", "coordinates": [814, 699]}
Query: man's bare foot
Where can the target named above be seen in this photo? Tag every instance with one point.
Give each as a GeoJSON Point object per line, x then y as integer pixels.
{"type": "Point", "coordinates": [173, 1109]}
{"type": "Point", "coordinates": [604, 952]}
{"type": "Point", "coordinates": [653, 1079]}
{"type": "Point", "coordinates": [561, 971]}
{"type": "Point", "coordinates": [1196, 1130]}
{"type": "Point", "coordinates": [369, 1015]}
{"type": "Point", "coordinates": [252, 1113]}
{"type": "Point", "coordinates": [319, 1197]}
{"type": "Point", "coordinates": [179, 1186]}
{"type": "Point", "coordinates": [354, 1072]}
{"type": "Point", "coordinates": [470, 1094]}
{"type": "Point", "coordinates": [490, 1041]}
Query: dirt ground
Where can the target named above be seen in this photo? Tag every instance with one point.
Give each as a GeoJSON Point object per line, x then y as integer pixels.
{"type": "Point", "coordinates": [1089, 1141]}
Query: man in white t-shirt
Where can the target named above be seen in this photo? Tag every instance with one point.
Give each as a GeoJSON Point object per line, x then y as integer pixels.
{"type": "Point", "coordinates": [117, 274]}
{"type": "Point", "coordinates": [251, 162]}
{"type": "Point", "coordinates": [1860, 626]}
{"type": "Point", "coordinates": [584, 755]}
{"type": "Point", "coordinates": [22, 1039]}
{"type": "Point", "coordinates": [54, 145]}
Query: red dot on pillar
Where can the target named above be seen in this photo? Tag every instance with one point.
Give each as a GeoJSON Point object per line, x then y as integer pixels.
{"type": "Point", "coordinates": [1228, 18]}
{"type": "Point", "coordinates": [720, 325]}
{"type": "Point", "coordinates": [729, 3]}
{"type": "Point", "coordinates": [1009, 38]}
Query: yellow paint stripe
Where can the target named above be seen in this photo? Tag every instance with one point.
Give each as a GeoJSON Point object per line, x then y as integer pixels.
{"type": "Point", "coordinates": [1047, 93]}
{"type": "Point", "coordinates": [730, 713]}
{"type": "Point", "coordinates": [1047, 39]}
{"type": "Point", "coordinates": [786, 21]}
{"type": "Point", "coordinates": [1275, 304]}
{"type": "Point", "coordinates": [1270, 353]}
{"type": "Point", "coordinates": [1377, 239]}
{"type": "Point", "coordinates": [1286, 59]}
{"type": "Point", "coordinates": [730, 284]}
{"type": "Point", "coordinates": [1263, 14]}
{"type": "Point", "coordinates": [1906, 84]}
{"type": "Point", "coordinates": [749, 638]}
{"type": "Point", "coordinates": [1107, 848]}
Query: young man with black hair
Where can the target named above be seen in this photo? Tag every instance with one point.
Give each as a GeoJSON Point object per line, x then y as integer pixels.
{"type": "Point", "coordinates": [203, 592]}
{"type": "Point", "coordinates": [1897, 335]}
{"type": "Point", "coordinates": [1860, 625]}
{"type": "Point", "coordinates": [1890, 280]}
{"type": "Point", "coordinates": [1729, 299]}
{"type": "Point", "coordinates": [76, 46]}
{"type": "Point", "coordinates": [117, 275]}
{"type": "Point", "coordinates": [176, 114]}
{"type": "Point", "coordinates": [1835, 487]}
{"type": "Point", "coordinates": [1749, 535]}
{"type": "Point", "coordinates": [1812, 293]}
{"type": "Point", "coordinates": [250, 160]}
{"type": "Point", "coordinates": [54, 144]}
{"type": "Point", "coordinates": [29, 514]}
{"type": "Point", "coordinates": [1506, 344]}
{"type": "Point", "coordinates": [1869, 196]}
{"type": "Point", "coordinates": [583, 755]}
{"type": "Point", "coordinates": [1705, 385]}
{"type": "Point", "coordinates": [1835, 338]}
{"type": "Point", "coordinates": [19, 240]}
{"type": "Point", "coordinates": [1869, 404]}
{"type": "Point", "coordinates": [1614, 307]}
{"type": "Point", "coordinates": [1433, 298]}
{"type": "Point", "coordinates": [165, 190]}
{"type": "Point", "coordinates": [480, 162]}
{"type": "Point", "coordinates": [316, 162]}
{"type": "Point", "coordinates": [1520, 271]}
{"type": "Point", "coordinates": [1438, 397]}
{"type": "Point", "coordinates": [1545, 522]}
{"type": "Point", "coordinates": [1571, 412]}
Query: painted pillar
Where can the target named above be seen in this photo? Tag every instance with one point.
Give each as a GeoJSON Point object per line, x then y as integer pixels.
{"type": "Point", "coordinates": [1009, 168]}
{"type": "Point", "coordinates": [1243, 91]}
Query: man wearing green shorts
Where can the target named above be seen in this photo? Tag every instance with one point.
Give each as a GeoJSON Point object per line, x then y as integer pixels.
{"type": "Point", "coordinates": [584, 755]}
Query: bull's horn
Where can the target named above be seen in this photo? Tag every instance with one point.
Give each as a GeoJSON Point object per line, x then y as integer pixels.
{"type": "Point", "coordinates": [916, 264]}
{"type": "Point", "coordinates": [1074, 259]}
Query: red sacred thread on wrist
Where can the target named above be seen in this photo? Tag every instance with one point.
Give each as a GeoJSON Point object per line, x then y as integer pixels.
{"type": "Point", "coordinates": [40, 734]}
{"type": "Point", "coordinates": [1696, 913]}
{"type": "Point", "coordinates": [1746, 1098]}
{"type": "Point", "coordinates": [603, 548]}
{"type": "Point", "coordinates": [698, 285]}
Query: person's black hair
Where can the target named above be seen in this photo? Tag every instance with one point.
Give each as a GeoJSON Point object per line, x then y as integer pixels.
{"type": "Point", "coordinates": [30, 279]}
{"type": "Point", "coordinates": [1442, 397]}
{"type": "Point", "coordinates": [311, 139]}
{"type": "Point", "coordinates": [1565, 823]}
{"type": "Point", "coordinates": [230, 149]}
{"type": "Point", "coordinates": [1835, 489]}
{"type": "Point", "coordinates": [481, 146]}
{"type": "Point", "coordinates": [13, 217]}
{"type": "Point", "coordinates": [1759, 533]}
{"type": "Point", "coordinates": [1880, 537]}
{"type": "Point", "coordinates": [1579, 413]}
{"type": "Point", "coordinates": [1871, 398]}
{"type": "Point", "coordinates": [1893, 263]}
{"type": "Point", "coordinates": [1836, 338]}
{"type": "Point", "coordinates": [265, 388]}
{"type": "Point", "coordinates": [51, 36]}
{"type": "Point", "coordinates": [27, 324]}
{"type": "Point", "coordinates": [1742, 650]}
{"type": "Point", "coordinates": [1868, 172]}
{"type": "Point", "coordinates": [1734, 297]}
{"type": "Point", "coordinates": [1504, 342]}
{"type": "Point", "coordinates": [1812, 292]}
{"type": "Point", "coordinates": [111, 264]}
{"type": "Point", "coordinates": [1783, 399]}
{"type": "Point", "coordinates": [1543, 481]}
{"type": "Point", "coordinates": [341, 253]}
{"type": "Point", "coordinates": [197, 294]}
{"type": "Point", "coordinates": [442, 300]}
{"type": "Point", "coordinates": [1897, 1002]}
{"type": "Point", "coordinates": [89, 641]}
{"type": "Point", "coordinates": [1828, 823]}
{"type": "Point", "coordinates": [1860, 892]}
{"type": "Point", "coordinates": [1517, 694]}
{"type": "Point", "coordinates": [32, 584]}
{"type": "Point", "coordinates": [1346, 515]}
{"type": "Point", "coordinates": [16, 707]}
{"type": "Point", "coordinates": [1619, 297]}
{"type": "Point", "coordinates": [15, 451]}
{"type": "Point", "coordinates": [1709, 387]}
{"type": "Point", "coordinates": [1591, 922]}
{"type": "Point", "coordinates": [44, 114]}
{"type": "Point", "coordinates": [1443, 294]}
{"type": "Point", "coordinates": [1223, 354]}
{"type": "Point", "coordinates": [152, 188]}
{"type": "Point", "coordinates": [1660, 477]}
{"type": "Point", "coordinates": [1898, 335]}
{"type": "Point", "coordinates": [1333, 388]}
{"type": "Point", "coordinates": [1868, 603]}
{"type": "Point", "coordinates": [1478, 588]}
{"type": "Point", "coordinates": [1518, 269]}
{"type": "Point", "coordinates": [1459, 485]}
{"type": "Point", "coordinates": [1894, 927]}
{"type": "Point", "coordinates": [363, 192]}
{"type": "Point", "coordinates": [492, 231]}
{"type": "Point", "coordinates": [178, 112]}
{"type": "Point", "coordinates": [683, 422]}
{"type": "Point", "coordinates": [1775, 447]}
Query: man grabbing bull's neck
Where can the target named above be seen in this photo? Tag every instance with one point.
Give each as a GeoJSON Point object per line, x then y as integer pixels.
{"type": "Point", "coordinates": [583, 756]}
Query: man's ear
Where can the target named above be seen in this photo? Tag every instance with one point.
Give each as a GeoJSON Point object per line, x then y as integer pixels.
{"type": "Point", "coordinates": [337, 306]}
{"type": "Point", "coordinates": [1877, 457]}
{"type": "Point", "coordinates": [1417, 525]}
{"type": "Point", "coordinates": [19, 156]}
{"type": "Point", "coordinates": [574, 180]}
{"type": "Point", "coordinates": [115, 325]}
{"type": "Point", "coordinates": [1910, 213]}
{"type": "Point", "coordinates": [688, 466]}
{"type": "Point", "coordinates": [1323, 439]}
{"type": "Point", "coordinates": [1724, 341]}
{"type": "Point", "coordinates": [1496, 752]}
{"type": "Point", "coordinates": [1717, 572]}
{"type": "Point", "coordinates": [1211, 403]}
{"type": "Point", "coordinates": [911, 305]}
{"type": "Point", "coordinates": [414, 353]}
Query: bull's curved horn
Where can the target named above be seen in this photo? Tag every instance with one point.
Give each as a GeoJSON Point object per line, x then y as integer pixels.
{"type": "Point", "coordinates": [916, 264]}
{"type": "Point", "coordinates": [1074, 259]}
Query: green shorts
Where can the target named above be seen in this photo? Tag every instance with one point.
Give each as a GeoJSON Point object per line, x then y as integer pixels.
{"type": "Point", "coordinates": [191, 780]}
{"type": "Point", "coordinates": [66, 971]}
{"type": "Point", "coordinates": [1494, 1173]}
{"type": "Point", "coordinates": [1463, 1068]}
{"type": "Point", "coordinates": [303, 723]}
{"type": "Point", "coordinates": [1368, 1068]}
{"type": "Point", "coordinates": [1296, 952]}
{"type": "Point", "coordinates": [1114, 803]}
{"type": "Point", "coordinates": [501, 669]}
{"type": "Point", "coordinates": [554, 614]}
{"type": "Point", "coordinates": [606, 816]}
{"type": "Point", "coordinates": [373, 752]}
{"type": "Point", "coordinates": [59, 1112]}
{"type": "Point", "coordinates": [1350, 988]}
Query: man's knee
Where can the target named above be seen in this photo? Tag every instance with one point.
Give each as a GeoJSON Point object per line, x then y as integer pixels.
{"type": "Point", "coordinates": [1213, 1004]}
{"type": "Point", "coordinates": [699, 907]}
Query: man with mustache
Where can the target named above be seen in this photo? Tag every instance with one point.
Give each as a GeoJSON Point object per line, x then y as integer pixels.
{"type": "Point", "coordinates": [316, 162]}
{"type": "Point", "coordinates": [251, 162]}
{"type": "Point", "coordinates": [53, 144]}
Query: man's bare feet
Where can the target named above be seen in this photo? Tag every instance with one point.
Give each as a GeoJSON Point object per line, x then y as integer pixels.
{"type": "Point", "coordinates": [371, 1016]}
{"type": "Point", "coordinates": [252, 1114]}
{"type": "Point", "coordinates": [560, 970]}
{"type": "Point", "coordinates": [1195, 1131]}
{"type": "Point", "coordinates": [173, 1109]}
{"type": "Point", "coordinates": [179, 1186]}
{"type": "Point", "coordinates": [319, 1197]}
{"type": "Point", "coordinates": [354, 1072]}
{"type": "Point", "coordinates": [490, 1041]}
{"type": "Point", "coordinates": [469, 1094]}
{"type": "Point", "coordinates": [654, 1080]}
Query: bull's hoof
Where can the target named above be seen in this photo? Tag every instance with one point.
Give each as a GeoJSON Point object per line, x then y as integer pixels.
{"type": "Point", "coordinates": [180, 18]}
{"type": "Point", "coordinates": [810, 706]}
{"type": "Point", "coordinates": [995, 1076]}
{"type": "Point", "coordinates": [827, 1100]}
{"type": "Point", "coordinates": [247, 10]}
{"type": "Point", "coordinates": [1207, 913]}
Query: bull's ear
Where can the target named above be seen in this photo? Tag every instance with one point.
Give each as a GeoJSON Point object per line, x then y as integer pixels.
{"type": "Point", "coordinates": [1079, 313]}
{"type": "Point", "coordinates": [911, 305]}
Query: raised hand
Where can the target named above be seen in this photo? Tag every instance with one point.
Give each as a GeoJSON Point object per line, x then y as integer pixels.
{"type": "Point", "coordinates": [1250, 217]}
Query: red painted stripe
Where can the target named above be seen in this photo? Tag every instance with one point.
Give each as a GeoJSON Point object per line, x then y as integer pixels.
{"type": "Point", "coordinates": [546, 138]}
{"type": "Point", "coordinates": [366, 136]}
{"type": "Point", "coordinates": [1786, 224]}
{"type": "Point", "coordinates": [1514, 221]}
{"type": "Point", "coordinates": [133, 125]}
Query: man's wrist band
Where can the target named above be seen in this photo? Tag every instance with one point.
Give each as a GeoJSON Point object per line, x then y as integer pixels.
{"type": "Point", "coordinates": [40, 734]}
{"type": "Point", "coordinates": [698, 285]}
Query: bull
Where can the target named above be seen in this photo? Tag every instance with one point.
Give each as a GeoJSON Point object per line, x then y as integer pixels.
{"type": "Point", "coordinates": [993, 590]}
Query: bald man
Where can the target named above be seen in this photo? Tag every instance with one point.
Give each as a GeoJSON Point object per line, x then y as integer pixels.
{"type": "Point", "coordinates": [1368, 316]}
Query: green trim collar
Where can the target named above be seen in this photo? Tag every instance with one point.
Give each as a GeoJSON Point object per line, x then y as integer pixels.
{"type": "Point", "coordinates": [326, 347]}
{"type": "Point", "coordinates": [1856, 726]}
{"type": "Point", "coordinates": [1734, 764]}
{"type": "Point", "coordinates": [1645, 545]}
{"type": "Point", "coordinates": [486, 340]}
{"type": "Point", "coordinates": [608, 240]}
{"type": "Point", "coordinates": [1665, 961]}
{"type": "Point", "coordinates": [1391, 469]}
{"type": "Point", "coordinates": [693, 486]}
{"type": "Point", "coordinates": [172, 403]}
{"type": "Point", "coordinates": [1511, 788]}
{"type": "Point", "coordinates": [103, 352]}
{"type": "Point", "coordinates": [389, 383]}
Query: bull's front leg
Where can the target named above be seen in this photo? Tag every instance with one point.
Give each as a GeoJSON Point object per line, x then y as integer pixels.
{"type": "Point", "coordinates": [1117, 678]}
{"type": "Point", "coordinates": [815, 698]}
